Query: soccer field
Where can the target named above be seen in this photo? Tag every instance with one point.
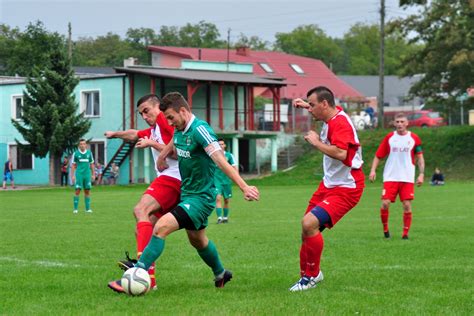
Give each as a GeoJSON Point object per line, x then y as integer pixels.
{"type": "Point", "coordinates": [54, 262]}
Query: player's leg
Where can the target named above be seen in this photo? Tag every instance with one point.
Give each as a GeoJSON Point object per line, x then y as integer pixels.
{"type": "Point", "coordinates": [208, 252]}
{"type": "Point", "coordinates": [87, 184]}
{"type": "Point", "coordinates": [407, 216]}
{"type": "Point", "coordinates": [384, 214]}
{"type": "Point", "coordinates": [219, 204]}
{"type": "Point", "coordinates": [227, 193]}
{"type": "Point", "coordinates": [389, 193]}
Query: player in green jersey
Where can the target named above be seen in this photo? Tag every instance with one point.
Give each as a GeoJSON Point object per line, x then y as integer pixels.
{"type": "Point", "coordinates": [198, 152]}
{"type": "Point", "coordinates": [224, 186]}
{"type": "Point", "coordinates": [82, 174]}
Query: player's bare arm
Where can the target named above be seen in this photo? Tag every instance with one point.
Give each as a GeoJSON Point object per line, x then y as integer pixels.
{"type": "Point", "coordinates": [128, 135]}
{"type": "Point", "coordinates": [73, 172]}
{"type": "Point", "coordinates": [146, 142]}
{"type": "Point", "coordinates": [421, 169]}
{"type": "Point", "coordinates": [330, 150]}
{"type": "Point", "coordinates": [250, 192]}
{"type": "Point", "coordinates": [168, 151]}
{"type": "Point", "coordinates": [92, 172]}
{"type": "Point", "coordinates": [375, 164]}
{"type": "Point", "coordinates": [300, 103]}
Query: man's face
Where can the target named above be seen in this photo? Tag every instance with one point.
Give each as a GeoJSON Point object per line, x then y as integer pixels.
{"type": "Point", "coordinates": [82, 146]}
{"type": "Point", "coordinates": [176, 119]}
{"type": "Point", "coordinates": [315, 107]}
{"type": "Point", "coordinates": [149, 111]}
{"type": "Point", "coordinates": [401, 124]}
{"type": "Point", "coordinates": [222, 144]}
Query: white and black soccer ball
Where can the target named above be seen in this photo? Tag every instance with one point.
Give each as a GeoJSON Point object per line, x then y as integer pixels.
{"type": "Point", "coordinates": [136, 281]}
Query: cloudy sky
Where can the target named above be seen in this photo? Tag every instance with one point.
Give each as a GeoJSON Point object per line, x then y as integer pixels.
{"type": "Point", "coordinates": [263, 18]}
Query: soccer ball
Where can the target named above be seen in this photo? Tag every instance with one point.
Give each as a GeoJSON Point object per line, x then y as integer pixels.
{"type": "Point", "coordinates": [136, 281]}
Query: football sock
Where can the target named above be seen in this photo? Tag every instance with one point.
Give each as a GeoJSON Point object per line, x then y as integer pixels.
{"type": "Point", "coordinates": [210, 256]}
{"type": "Point", "coordinates": [406, 222]}
{"type": "Point", "coordinates": [219, 211]}
{"type": "Point", "coordinates": [87, 199]}
{"type": "Point", "coordinates": [152, 251]}
{"type": "Point", "coordinates": [303, 258]}
{"type": "Point", "coordinates": [144, 233]}
{"type": "Point", "coordinates": [314, 249]}
{"type": "Point", "coordinates": [226, 212]}
{"type": "Point", "coordinates": [384, 217]}
{"type": "Point", "coordinates": [76, 202]}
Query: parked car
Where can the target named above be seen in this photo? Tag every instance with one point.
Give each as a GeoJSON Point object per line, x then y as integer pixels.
{"type": "Point", "coordinates": [425, 118]}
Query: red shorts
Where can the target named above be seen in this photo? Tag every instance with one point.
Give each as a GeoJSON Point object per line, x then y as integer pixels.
{"type": "Point", "coordinates": [335, 201]}
{"type": "Point", "coordinates": [406, 190]}
{"type": "Point", "coordinates": [166, 191]}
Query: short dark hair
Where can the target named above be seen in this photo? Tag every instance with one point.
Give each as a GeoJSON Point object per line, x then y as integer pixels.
{"type": "Point", "coordinates": [82, 140]}
{"type": "Point", "coordinates": [149, 97]}
{"type": "Point", "coordinates": [323, 93]}
{"type": "Point", "coordinates": [174, 100]}
{"type": "Point", "coordinates": [221, 140]}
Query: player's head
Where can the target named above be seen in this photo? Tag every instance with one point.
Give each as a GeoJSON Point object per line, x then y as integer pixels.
{"type": "Point", "coordinates": [176, 110]}
{"type": "Point", "coordinates": [401, 122]}
{"type": "Point", "coordinates": [149, 108]}
{"type": "Point", "coordinates": [82, 144]}
{"type": "Point", "coordinates": [320, 100]}
{"type": "Point", "coordinates": [222, 143]}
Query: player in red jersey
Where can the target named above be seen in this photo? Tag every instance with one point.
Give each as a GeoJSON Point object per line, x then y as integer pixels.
{"type": "Point", "coordinates": [342, 184]}
{"type": "Point", "coordinates": [403, 148]}
{"type": "Point", "coordinates": [163, 194]}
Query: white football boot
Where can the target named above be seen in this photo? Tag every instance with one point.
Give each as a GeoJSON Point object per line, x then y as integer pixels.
{"type": "Point", "coordinates": [306, 283]}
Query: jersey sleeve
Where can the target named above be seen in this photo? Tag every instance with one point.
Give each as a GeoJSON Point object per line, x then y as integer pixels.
{"type": "Point", "coordinates": [384, 147]}
{"type": "Point", "coordinates": [205, 136]}
{"type": "Point", "coordinates": [91, 157]}
{"type": "Point", "coordinates": [341, 134]}
{"type": "Point", "coordinates": [418, 148]}
{"type": "Point", "coordinates": [144, 133]}
{"type": "Point", "coordinates": [74, 158]}
{"type": "Point", "coordinates": [166, 130]}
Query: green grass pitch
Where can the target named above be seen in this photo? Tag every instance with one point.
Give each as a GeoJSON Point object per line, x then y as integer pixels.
{"type": "Point", "coordinates": [54, 262]}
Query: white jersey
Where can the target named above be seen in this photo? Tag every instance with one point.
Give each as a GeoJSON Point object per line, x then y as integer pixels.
{"type": "Point", "coordinates": [162, 133]}
{"type": "Point", "coordinates": [339, 131]}
{"type": "Point", "coordinates": [401, 150]}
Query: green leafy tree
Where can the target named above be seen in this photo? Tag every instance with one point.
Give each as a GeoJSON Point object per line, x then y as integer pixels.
{"type": "Point", "coordinates": [309, 41]}
{"type": "Point", "coordinates": [202, 34]}
{"type": "Point", "coordinates": [254, 42]}
{"type": "Point", "coordinates": [50, 123]}
{"type": "Point", "coordinates": [169, 36]}
{"type": "Point", "coordinates": [445, 31]}
{"type": "Point", "coordinates": [30, 48]}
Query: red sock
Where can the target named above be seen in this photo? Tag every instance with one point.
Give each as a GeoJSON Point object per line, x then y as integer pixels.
{"type": "Point", "coordinates": [314, 248]}
{"type": "Point", "coordinates": [144, 232]}
{"type": "Point", "coordinates": [384, 218]}
{"type": "Point", "coordinates": [303, 258]}
{"type": "Point", "coordinates": [406, 223]}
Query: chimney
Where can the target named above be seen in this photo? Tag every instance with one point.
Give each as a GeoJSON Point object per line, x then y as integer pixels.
{"type": "Point", "coordinates": [130, 61]}
{"type": "Point", "coordinates": [199, 54]}
{"type": "Point", "coordinates": [243, 50]}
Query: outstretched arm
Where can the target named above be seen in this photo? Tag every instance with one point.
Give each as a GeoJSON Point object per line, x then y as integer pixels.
{"type": "Point", "coordinates": [421, 169]}
{"type": "Point", "coordinates": [375, 164]}
{"type": "Point", "coordinates": [250, 192]}
{"type": "Point", "coordinates": [128, 135]}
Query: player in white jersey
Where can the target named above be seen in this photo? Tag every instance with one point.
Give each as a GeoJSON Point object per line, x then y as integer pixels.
{"type": "Point", "coordinates": [164, 192]}
{"type": "Point", "coordinates": [403, 149]}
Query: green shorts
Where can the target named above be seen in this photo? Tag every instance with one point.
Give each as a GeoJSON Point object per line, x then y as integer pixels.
{"type": "Point", "coordinates": [83, 182]}
{"type": "Point", "coordinates": [224, 189]}
{"type": "Point", "coordinates": [198, 209]}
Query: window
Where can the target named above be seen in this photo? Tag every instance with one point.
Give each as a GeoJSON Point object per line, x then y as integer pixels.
{"type": "Point", "coordinates": [266, 67]}
{"type": "Point", "coordinates": [297, 69]}
{"type": "Point", "coordinates": [91, 103]}
{"type": "Point", "coordinates": [17, 107]}
{"type": "Point", "coordinates": [20, 159]}
{"type": "Point", "coordinates": [97, 149]}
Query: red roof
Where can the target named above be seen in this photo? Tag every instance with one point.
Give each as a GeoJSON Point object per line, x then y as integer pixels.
{"type": "Point", "coordinates": [315, 71]}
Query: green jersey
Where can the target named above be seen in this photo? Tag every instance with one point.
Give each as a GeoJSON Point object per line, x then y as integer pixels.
{"type": "Point", "coordinates": [220, 177]}
{"type": "Point", "coordinates": [83, 161]}
{"type": "Point", "coordinates": [195, 165]}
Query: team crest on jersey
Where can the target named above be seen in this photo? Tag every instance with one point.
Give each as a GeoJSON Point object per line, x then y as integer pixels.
{"type": "Point", "coordinates": [188, 141]}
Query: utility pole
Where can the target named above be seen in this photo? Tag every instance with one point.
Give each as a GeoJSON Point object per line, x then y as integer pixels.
{"type": "Point", "coordinates": [382, 64]}
{"type": "Point", "coordinates": [69, 42]}
{"type": "Point", "coordinates": [228, 48]}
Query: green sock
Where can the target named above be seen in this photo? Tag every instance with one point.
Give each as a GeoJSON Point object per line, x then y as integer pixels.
{"type": "Point", "coordinates": [76, 202]}
{"type": "Point", "coordinates": [152, 251]}
{"type": "Point", "coordinates": [226, 212]}
{"type": "Point", "coordinates": [88, 202]}
{"type": "Point", "coordinates": [211, 258]}
{"type": "Point", "coordinates": [219, 211]}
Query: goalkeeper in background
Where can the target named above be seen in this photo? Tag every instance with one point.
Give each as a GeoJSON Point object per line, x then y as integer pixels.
{"type": "Point", "coordinates": [224, 186]}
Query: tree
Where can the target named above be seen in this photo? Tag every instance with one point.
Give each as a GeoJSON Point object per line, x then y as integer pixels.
{"type": "Point", "coordinates": [50, 123]}
{"type": "Point", "coordinates": [445, 29]}
{"type": "Point", "coordinates": [202, 34]}
{"type": "Point", "coordinates": [254, 42]}
{"type": "Point", "coordinates": [309, 41]}
{"type": "Point", "coordinates": [30, 48]}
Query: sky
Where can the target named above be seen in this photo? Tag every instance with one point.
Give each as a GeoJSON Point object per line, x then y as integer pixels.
{"type": "Point", "coordinates": [263, 18]}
